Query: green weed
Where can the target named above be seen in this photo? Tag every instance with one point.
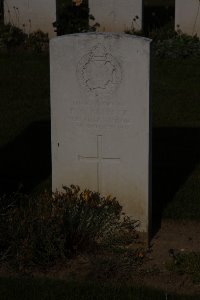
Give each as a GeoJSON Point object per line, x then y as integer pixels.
{"type": "Point", "coordinates": [39, 230]}
{"type": "Point", "coordinates": [186, 263]}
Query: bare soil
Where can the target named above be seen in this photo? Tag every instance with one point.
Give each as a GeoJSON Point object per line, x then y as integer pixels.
{"type": "Point", "coordinates": [179, 236]}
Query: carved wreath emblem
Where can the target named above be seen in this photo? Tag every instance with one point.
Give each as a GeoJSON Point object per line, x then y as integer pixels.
{"type": "Point", "coordinates": [99, 72]}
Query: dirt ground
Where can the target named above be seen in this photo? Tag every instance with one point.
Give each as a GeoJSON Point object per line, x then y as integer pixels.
{"type": "Point", "coordinates": [179, 236]}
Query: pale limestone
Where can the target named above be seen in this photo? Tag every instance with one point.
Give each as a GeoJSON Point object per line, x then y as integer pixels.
{"type": "Point", "coordinates": [31, 15]}
{"type": "Point", "coordinates": [116, 15]}
{"type": "Point", "coordinates": [187, 16]}
{"type": "Point", "coordinates": [100, 117]}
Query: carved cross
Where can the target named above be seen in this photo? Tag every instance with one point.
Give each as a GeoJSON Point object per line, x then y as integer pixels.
{"type": "Point", "coordinates": [99, 159]}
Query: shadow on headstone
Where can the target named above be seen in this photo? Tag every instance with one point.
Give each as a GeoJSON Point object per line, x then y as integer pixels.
{"type": "Point", "coordinates": [26, 161]}
{"type": "Point", "coordinates": [176, 152]}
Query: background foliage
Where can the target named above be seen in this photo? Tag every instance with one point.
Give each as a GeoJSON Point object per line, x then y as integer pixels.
{"type": "Point", "coordinates": [72, 18]}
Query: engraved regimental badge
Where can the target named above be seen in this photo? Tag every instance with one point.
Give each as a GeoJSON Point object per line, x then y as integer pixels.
{"type": "Point", "coordinates": [98, 72]}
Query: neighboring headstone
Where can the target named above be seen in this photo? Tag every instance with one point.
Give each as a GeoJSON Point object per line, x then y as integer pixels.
{"type": "Point", "coordinates": [100, 117]}
{"type": "Point", "coordinates": [116, 15]}
{"type": "Point", "coordinates": [187, 16]}
{"type": "Point", "coordinates": [31, 15]}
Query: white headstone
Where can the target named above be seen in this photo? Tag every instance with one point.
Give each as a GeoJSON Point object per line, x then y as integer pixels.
{"type": "Point", "coordinates": [116, 15]}
{"type": "Point", "coordinates": [187, 16]}
{"type": "Point", "coordinates": [100, 117]}
{"type": "Point", "coordinates": [31, 15]}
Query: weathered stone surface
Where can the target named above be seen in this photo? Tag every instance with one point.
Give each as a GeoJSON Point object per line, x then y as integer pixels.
{"type": "Point", "coordinates": [116, 15]}
{"type": "Point", "coordinates": [100, 117]}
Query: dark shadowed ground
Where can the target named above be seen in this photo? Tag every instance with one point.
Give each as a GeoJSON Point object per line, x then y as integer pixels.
{"type": "Point", "coordinates": [176, 153]}
{"type": "Point", "coordinates": [26, 161]}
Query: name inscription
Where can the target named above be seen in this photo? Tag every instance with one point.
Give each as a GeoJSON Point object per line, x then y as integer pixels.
{"type": "Point", "coordinates": [98, 117]}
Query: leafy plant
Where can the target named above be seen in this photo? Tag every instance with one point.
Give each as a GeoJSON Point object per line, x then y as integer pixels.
{"type": "Point", "coordinates": [42, 229]}
{"type": "Point", "coordinates": [179, 46]}
{"type": "Point", "coordinates": [28, 232]}
{"type": "Point", "coordinates": [73, 18]}
{"type": "Point", "coordinates": [158, 34]}
{"type": "Point", "coordinates": [38, 41]}
{"type": "Point", "coordinates": [163, 33]}
{"type": "Point", "coordinates": [168, 43]}
{"type": "Point", "coordinates": [186, 263]}
{"type": "Point", "coordinates": [11, 36]}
